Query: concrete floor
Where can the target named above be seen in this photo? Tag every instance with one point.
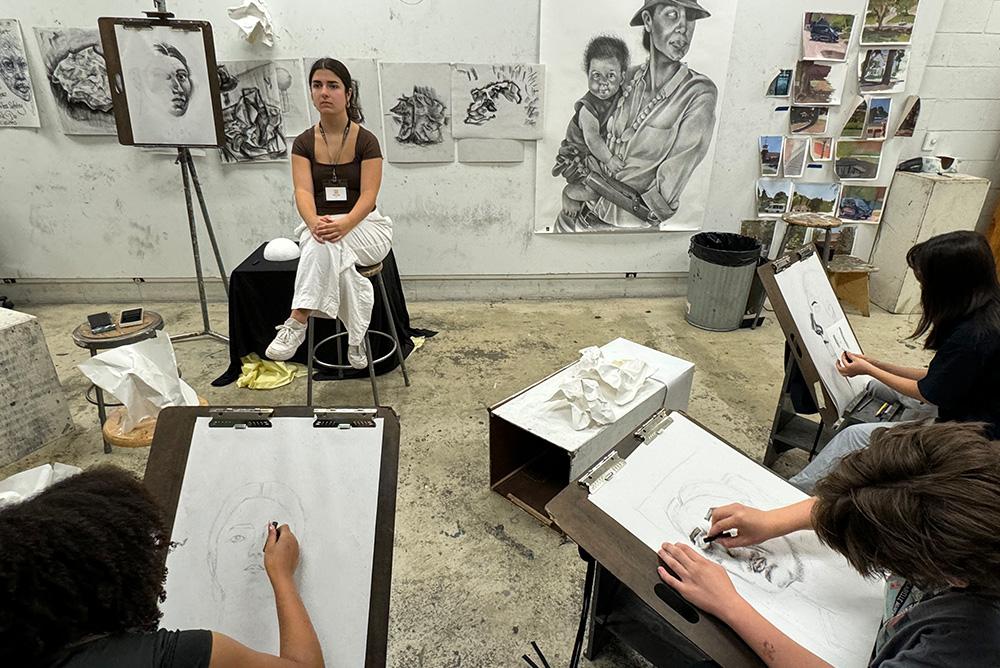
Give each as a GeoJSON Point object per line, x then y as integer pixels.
{"type": "Point", "coordinates": [475, 579]}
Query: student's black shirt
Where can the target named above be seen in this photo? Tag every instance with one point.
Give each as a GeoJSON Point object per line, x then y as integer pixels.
{"type": "Point", "coordinates": [963, 379]}
{"type": "Point", "coordinates": [163, 649]}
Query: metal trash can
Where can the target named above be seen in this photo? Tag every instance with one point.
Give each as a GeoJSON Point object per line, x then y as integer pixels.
{"type": "Point", "coordinates": [719, 279]}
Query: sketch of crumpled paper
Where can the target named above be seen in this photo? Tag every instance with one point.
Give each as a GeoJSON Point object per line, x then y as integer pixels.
{"type": "Point", "coordinates": [598, 388]}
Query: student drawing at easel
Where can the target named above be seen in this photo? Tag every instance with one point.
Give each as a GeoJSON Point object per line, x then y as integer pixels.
{"type": "Point", "coordinates": [960, 296]}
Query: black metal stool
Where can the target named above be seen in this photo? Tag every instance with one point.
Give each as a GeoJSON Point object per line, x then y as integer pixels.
{"type": "Point", "coordinates": [374, 272]}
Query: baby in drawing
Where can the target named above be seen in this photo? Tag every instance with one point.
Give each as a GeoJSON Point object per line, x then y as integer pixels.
{"type": "Point", "coordinates": [606, 60]}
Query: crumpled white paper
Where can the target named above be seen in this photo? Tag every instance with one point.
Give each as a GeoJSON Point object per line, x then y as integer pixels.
{"type": "Point", "coordinates": [254, 21]}
{"type": "Point", "coordinates": [599, 388]}
{"type": "Point", "coordinates": [26, 484]}
{"type": "Point", "coordinates": [143, 376]}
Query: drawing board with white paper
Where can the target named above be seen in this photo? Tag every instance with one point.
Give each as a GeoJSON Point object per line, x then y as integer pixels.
{"type": "Point", "coordinates": [811, 593]}
{"type": "Point", "coordinates": [807, 307]}
{"type": "Point", "coordinates": [324, 483]}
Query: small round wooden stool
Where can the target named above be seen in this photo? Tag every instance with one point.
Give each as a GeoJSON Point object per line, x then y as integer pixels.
{"type": "Point", "coordinates": [141, 435]}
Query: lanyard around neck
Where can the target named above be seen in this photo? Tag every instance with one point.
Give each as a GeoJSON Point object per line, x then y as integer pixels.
{"type": "Point", "coordinates": [343, 143]}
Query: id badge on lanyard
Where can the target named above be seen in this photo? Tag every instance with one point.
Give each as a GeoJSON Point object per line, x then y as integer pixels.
{"type": "Point", "coordinates": [336, 190]}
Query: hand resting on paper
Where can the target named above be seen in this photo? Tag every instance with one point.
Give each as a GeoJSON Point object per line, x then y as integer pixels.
{"type": "Point", "coordinates": [701, 581]}
{"type": "Point", "coordinates": [854, 364]}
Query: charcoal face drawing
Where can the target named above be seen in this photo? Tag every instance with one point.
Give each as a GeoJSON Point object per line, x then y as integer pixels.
{"type": "Point", "coordinates": [78, 77]}
{"type": "Point", "coordinates": [251, 111]}
{"type": "Point", "coordinates": [650, 126]}
{"type": "Point", "coordinates": [17, 101]}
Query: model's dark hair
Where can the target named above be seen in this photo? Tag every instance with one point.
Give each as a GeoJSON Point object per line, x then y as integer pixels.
{"type": "Point", "coordinates": [84, 557]}
{"type": "Point", "coordinates": [340, 69]}
{"type": "Point", "coordinates": [607, 47]}
{"type": "Point", "coordinates": [170, 50]}
{"type": "Point", "coordinates": [958, 276]}
{"type": "Point", "coordinates": [921, 502]}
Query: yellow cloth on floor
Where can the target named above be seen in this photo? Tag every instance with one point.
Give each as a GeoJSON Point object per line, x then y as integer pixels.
{"type": "Point", "coordinates": [261, 374]}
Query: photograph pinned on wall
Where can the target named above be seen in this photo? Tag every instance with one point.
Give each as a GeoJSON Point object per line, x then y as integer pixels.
{"type": "Point", "coordinates": [364, 75]}
{"type": "Point", "coordinates": [843, 240]}
{"type": "Point", "coordinates": [862, 203]}
{"type": "Point", "coordinates": [909, 117]}
{"type": "Point", "coordinates": [294, 95]}
{"type": "Point", "coordinates": [821, 149]}
{"type": "Point", "coordinates": [251, 111]}
{"type": "Point", "coordinates": [17, 93]}
{"type": "Point", "coordinates": [826, 36]}
{"type": "Point", "coordinates": [498, 101]}
{"type": "Point", "coordinates": [883, 70]}
{"type": "Point", "coordinates": [780, 85]}
{"type": "Point", "coordinates": [794, 156]}
{"type": "Point", "coordinates": [889, 22]}
{"type": "Point", "coordinates": [770, 154]}
{"type": "Point", "coordinates": [808, 120]}
{"type": "Point", "coordinates": [818, 83]}
{"type": "Point", "coordinates": [796, 237]}
{"type": "Point", "coordinates": [877, 123]}
{"type": "Point", "coordinates": [762, 231]}
{"type": "Point", "coordinates": [858, 159]}
{"type": "Point", "coordinates": [168, 87]}
{"type": "Point", "coordinates": [417, 112]}
{"type": "Point", "coordinates": [773, 196]}
{"type": "Point", "coordinates": [78, 78]}
{"type": "Point", "coordinates": [854, 128]}
{"type": "Point", "coordinates": [815, 198]}
{"type": "Point", "coordinates": [624, 149]}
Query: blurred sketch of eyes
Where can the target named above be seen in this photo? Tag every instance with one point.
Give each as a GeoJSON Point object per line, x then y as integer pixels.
{"type": "Point", "coordinates": [238, 538]}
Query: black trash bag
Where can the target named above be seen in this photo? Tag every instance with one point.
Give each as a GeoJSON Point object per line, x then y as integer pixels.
{"type": "Point", "coordinates": [725, 249]}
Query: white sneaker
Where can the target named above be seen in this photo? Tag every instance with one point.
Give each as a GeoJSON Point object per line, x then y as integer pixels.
{"type": "Point", "coordinates": [290, 336]}
{"type": "Point", "coordinates": [356, 356]}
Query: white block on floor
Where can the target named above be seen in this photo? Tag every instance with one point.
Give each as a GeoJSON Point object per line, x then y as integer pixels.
{"type": "Point", "coordinates": [33, 408]}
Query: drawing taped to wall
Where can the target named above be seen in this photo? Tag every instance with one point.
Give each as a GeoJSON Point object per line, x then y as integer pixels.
{"type": "Point", "coordinates": [166, 84]}
{"type": "Point", "coordinates": [365, 84]}
{"type": "Point", "coordinates": [818, 83]}
{"type": "Point", "coordinates": [417, 112]}
{"type": "Point", "coordinates": [633, 91]}
{"type": "Point", "coordinates": [815, 198]}
{"type": "Point", "coordinates": [826, 36]}
{"type": "Point", "coordinates": [858, 159]}
{"type": "Point", "coordinates": [780, 85]}
{"type": "Point", "coordinates": [821, 149]}
{"type": "Point", "coordinates": [669, 486]}
{"type": "Point", "coordinates": [773, 196]}
{"type": "Point", "coordinates": [883, 70]}
{"type": "Point", "coordinates": [770, 154]}
{"type": "Point", "coordinates": [794, 157]}
{"type": "Point", "coordinates": [762, 231]}
{"type": "Point", "coordinates": [843, 240]}
{"type": "Point", "coordinates": [909, 117]}
{"type": "Point", "coordinates": [808, 120]}
{"type": "Point", "coordinates": [294, 95]}
{"type": "Point", "coordinates": [862, 203]}
{"type": "Point", "coordinates": [78, 78]}
{"type": "Point", "coordinates": [498, 101]}
{"type": "Point", "coordinates": [17, 93]}
{"type": "Point", "coordinates": [889, 22]}
{"type": "Point", "coordinates": [878, 118]}
{"type": "Point", "coordinates": [854, 128]}
{"type": "Point", "coordinates": [251, 111]}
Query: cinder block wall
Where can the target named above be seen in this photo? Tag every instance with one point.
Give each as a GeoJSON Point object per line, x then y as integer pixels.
{"type": "Point", "coordinates": [960, 95]}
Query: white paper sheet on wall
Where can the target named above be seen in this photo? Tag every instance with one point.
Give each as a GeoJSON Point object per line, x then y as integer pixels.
{"type": "Point", "coordinates": [324, 484]}
{"type": "Point", "coordinates": [805, 589]}
{"type": "Point", "coordinates": [822, 325]}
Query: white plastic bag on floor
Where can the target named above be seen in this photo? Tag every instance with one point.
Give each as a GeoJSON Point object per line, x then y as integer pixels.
{"type": "Point", "coordinates": [26, 484]}
{"type": "Point", "coordinates": [143, 376]}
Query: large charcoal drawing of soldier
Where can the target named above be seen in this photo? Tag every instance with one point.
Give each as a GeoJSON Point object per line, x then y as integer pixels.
{"type": "Point", "coordinates": [657, 132]}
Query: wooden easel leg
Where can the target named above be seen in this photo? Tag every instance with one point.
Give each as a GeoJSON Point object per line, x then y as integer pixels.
{"type": "Point", "coordinates": [781, 415]}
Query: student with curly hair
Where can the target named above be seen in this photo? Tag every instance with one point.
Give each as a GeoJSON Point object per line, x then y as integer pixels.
{"type": "Point", "coordinates": [82, 569]}
{"type": "Point", "coordinates": [920, 505]}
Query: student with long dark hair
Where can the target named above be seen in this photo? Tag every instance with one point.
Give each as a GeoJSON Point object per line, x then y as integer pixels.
{"type": "Point", "coordinates": [960, 296]}
{"type": "Point", "coordinates": [337, 173]}
{"type": "Point", "coordinates": [82, 569]}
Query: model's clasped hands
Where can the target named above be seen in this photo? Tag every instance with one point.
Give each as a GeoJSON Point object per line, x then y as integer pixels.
{"type": "Point", "coordinates": [329, 228]}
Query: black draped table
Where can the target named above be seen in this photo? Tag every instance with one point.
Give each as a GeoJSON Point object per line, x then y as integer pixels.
{"type": "Point", "coordinates": [260, 299]}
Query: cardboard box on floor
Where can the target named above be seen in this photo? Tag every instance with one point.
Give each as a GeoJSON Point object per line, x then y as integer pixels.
{"type": "Point", "coordinates": [534, 450]}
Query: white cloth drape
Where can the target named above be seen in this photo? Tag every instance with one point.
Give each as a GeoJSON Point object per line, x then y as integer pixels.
{"type": "Point", "coordinates": [327, 281]}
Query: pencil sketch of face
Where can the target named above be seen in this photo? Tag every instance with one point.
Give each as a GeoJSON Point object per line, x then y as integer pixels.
{"type": "Point", "coordinates": [14, 68]}
{"type": "Point", "coordinates": [170, 79]}
{"type": "Point", "coordinates": [236, 541]}
{"type": "Point", "coordinates": [670, 29]}
{"type": "Point", "coordinates": [773, 566]}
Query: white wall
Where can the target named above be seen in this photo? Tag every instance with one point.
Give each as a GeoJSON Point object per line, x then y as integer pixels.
{"type": "Point", "coordinates": [87, 207]}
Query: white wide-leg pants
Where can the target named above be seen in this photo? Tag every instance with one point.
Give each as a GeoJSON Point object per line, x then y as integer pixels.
{"type": "Point", "coordinates": [328, 283]}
